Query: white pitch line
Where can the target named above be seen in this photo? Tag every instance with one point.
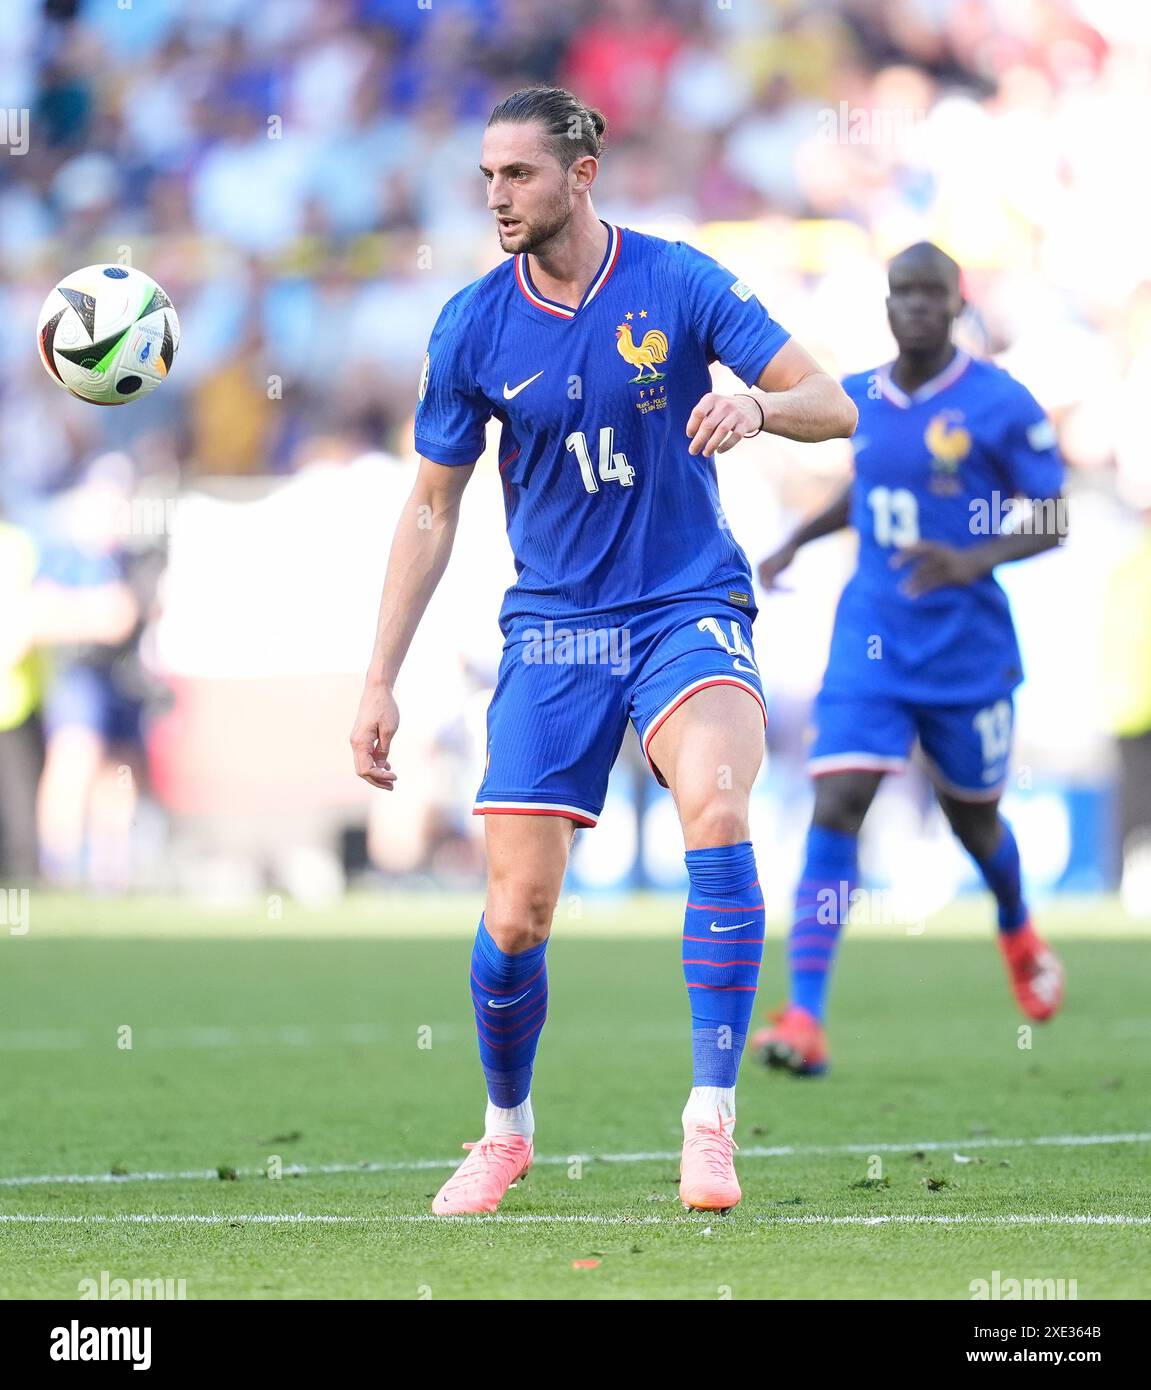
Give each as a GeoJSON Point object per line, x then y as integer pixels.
{"type": "Point", "coordinates": [556, 1219]}
{"type": "Point", "coordinates": [416, 1165]}
{"type": "Point", "coordinates": [1057, 1219]}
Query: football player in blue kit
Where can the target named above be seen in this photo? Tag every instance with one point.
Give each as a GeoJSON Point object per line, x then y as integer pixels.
{"type": "Point", "coordinates": [633, 602]}
{"type": "Point", "coordinates": [923, 647]}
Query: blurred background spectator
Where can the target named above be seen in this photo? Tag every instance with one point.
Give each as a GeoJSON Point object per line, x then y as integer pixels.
{"type": "Point", "coordinates": [21, 733]}
{"type": "Point", "coordinates": [302, 179]}
{"type": "Point", "coordinates": [1127, 676]}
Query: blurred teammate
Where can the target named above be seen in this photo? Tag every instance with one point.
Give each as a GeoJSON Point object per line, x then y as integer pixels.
{"type": "Point", "coordinates": [92, 599]}
{"type": "Point", "coordinates": [923, 646]}
{"type": "Point", "coordinates": [633, 601]}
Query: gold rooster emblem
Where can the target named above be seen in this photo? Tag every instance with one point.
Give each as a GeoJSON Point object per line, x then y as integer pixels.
{"type": "Point", "coordinates": [650, 349]}
{"type": "Point", "coordinates": [949, 443]}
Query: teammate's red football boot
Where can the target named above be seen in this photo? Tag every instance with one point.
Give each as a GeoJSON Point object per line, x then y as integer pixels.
{"type": "Point", "coordinates": [1035, 971]}
{"type": "Point", "coordinates": [795, 1042]}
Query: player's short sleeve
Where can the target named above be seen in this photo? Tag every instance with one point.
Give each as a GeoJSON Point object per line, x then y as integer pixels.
{"type": "Point", "coordinates": [1029, 448]}
{"type": "Point", "coordinates": [732, 324]}
{"type": "Point", "coordinates": [451, 412]}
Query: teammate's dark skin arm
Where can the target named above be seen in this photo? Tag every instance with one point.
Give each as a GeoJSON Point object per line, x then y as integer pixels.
{"type": "Point", "coordinates": [834, 517]}
{"type": "Point", "coordinates": [938, 566]}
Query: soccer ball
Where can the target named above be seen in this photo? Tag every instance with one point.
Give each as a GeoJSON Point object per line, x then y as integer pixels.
{"type": "Point", "coordinates": [108, 334]}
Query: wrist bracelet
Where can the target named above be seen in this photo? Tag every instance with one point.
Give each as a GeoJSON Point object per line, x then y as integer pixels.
{"type": "Point", "coordinates": [762, 417]}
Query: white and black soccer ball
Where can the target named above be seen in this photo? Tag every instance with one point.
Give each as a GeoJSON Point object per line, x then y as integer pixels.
{"type": "Point", "coordinates": [108, 334]}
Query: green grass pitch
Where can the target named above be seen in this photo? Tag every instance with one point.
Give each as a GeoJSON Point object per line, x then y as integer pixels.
{"type": "Point", "coordinates": [339, 1044]}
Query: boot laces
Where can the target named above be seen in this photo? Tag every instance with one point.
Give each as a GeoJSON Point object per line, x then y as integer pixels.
{"type": "Point", "coordinates": [717, 1144]}
{"type": "Point", "coordinates": [495, 1149]}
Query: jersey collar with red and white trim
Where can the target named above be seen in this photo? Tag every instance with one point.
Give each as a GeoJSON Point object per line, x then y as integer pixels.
{"type": "Point", "coordinates": [947, 377]}
{"type": "Point", "coordinates": [565, 311]}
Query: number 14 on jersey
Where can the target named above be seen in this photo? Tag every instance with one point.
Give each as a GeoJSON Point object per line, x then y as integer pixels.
{"type": "Point", "coordinates": [613, 467]}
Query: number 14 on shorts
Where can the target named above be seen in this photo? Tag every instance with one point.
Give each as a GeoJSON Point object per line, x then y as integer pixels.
{"type": "Point", "coordinates": [735, 645]}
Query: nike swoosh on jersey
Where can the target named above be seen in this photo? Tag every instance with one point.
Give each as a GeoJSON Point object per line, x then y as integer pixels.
{"type": "Point", "coordinates": [510, 391]}
{"type": "Point", "coordinates": [749, 669]}
{"type": "Point", "coordinates": [717, 928]}
{"type": "Point", "coordinates": [507, 1003]}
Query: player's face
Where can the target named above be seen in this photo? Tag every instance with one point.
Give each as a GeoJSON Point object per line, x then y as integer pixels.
{"type": "Point", "coordinates": [922, 302]}
{"type": "Point", "coordinates": [529, 191]}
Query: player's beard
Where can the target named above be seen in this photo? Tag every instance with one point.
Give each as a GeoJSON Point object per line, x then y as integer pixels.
{"type": "Point", "coordinates": [535, 235]}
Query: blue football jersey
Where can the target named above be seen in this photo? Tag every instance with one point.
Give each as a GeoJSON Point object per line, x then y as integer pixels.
{"type": "Point", "coordinates": [942, 464]}
{"type": "Point", "coordinates": [605, 507]}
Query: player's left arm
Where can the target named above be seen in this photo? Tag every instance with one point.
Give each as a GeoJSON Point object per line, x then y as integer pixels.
{"type": "Point", "coordinates": [788, 393]}
{"type": "Point", "coordinates": [795, 398]}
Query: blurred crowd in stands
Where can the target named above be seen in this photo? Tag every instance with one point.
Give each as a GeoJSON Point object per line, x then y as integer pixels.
{"type": "Point", "coordinates": [302, 179]}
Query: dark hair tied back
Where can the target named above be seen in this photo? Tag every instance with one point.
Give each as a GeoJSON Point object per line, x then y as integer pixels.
{"type": "Point", "coordinates": [571, 128]}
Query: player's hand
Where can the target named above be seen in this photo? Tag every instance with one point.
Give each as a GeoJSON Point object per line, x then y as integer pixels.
{"type": "Point", "coordinates": [774, 566]}
{"type": "Point", "coordinates": [718, 423]}
{"type": "Point", "coordinates": [935, 566]}
{"type": "Point", "coordinates": [377, 720]}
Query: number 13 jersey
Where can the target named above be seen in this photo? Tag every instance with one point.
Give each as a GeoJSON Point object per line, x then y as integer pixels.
{"type": "Point", "coordinates": [940, 465]}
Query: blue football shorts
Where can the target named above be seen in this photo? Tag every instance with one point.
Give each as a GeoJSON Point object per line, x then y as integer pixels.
{"type": "Point", "coordinates": [967, 748]}
{"type": "Point", "coordinates": [567, 688]}
{"type": "Point", "coordinates": [85, 697]}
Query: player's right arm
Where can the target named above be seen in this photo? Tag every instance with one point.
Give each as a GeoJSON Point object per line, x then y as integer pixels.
{"type": "Point", "coordinates": [421, 547]}
{"type": "Point", "coordinates": [834, 517]}
{"type": "Point", "coordinates": [450, 418]}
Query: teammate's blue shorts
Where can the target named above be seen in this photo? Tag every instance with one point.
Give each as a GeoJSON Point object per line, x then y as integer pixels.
{"type": "Point", "coordinates": [967, 748]}
{"type": "Point", "coordinates": [84, 697]}
{"type": "Point", "coordinates": [567, 688]}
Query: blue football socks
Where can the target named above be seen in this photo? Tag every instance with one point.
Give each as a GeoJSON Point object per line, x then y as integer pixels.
{"type": "Point", "coordinates": [510, 996]}
{"type": "Point", "coordinates": [1003, 875]}
{"type": "Point", "coordinates": [722, 950]}
{"type": "Point", "coordinates": [822, 900]}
